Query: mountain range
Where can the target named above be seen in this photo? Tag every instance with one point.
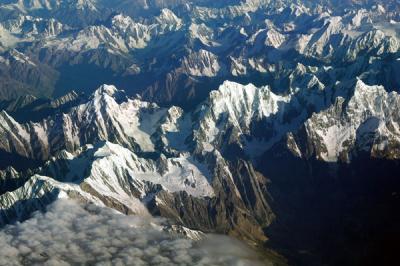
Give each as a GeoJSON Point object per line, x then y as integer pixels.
{"type": "Point", "coordinates": [275, 122]}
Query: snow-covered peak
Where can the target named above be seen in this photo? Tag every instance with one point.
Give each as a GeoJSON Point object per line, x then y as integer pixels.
{"type": "Point", "coordinates": [230, 112]}
{"type": "Point", "coordinates": [367, 123]}
{"type": "Point", "coordinates": [108, 150]}
{"type": "Point", "coordinates": [122, 22]}
{"type": "Point", "coordinates": [368, 93]}
{"type": "Point", "coordinates": [244, 100]}
{"type": "Point", "coordinates": [168, 19]}
{"type": "Point", "coordinates": [104, 89]}
{"type": "Point", "coordinates": [108, 115]}
{"type": "Point", "coordinates": [372, 101]}
{"type": "Point", "coordinates": [267, 37]}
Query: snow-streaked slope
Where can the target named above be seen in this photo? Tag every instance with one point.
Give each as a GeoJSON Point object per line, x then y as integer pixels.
{"type": "Point", "coordinates": [108, 166]}
{"type": "Point", "coordinates": [108, 175]}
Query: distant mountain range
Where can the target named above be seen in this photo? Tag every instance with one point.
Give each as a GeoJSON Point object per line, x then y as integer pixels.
{"type": "Point", "coordinates": [177, 51]}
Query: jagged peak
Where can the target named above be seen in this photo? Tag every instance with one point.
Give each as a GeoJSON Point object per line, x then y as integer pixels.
{"type": "Point", "coordinates": [235, 91]}
{"type": "Point", "coordinates": [361, 89]}
{"type": "Point", "coordinates": [201, 63]}
{"type": "Point", "coordinates": [121, 21]}
{"type": "Point", "coordinates": [232, 92]}
{"type": "Point", "coordinates": [9, 172]}
{"type": "Point", "coordinates": [242, 103]}
{"type": "Point", "coordinates": [105, 89]}
{"type": "Point", "coordinates": [231, 86]}
{"type": "Point", "coordinates": [374, 36]}
{"type": "Point", "coordinates": [71, 96]}
{"type": "Point", "coordinates": [20, 57]}
{"type": "Point", "coordinates": [167, 14]}
{"type": "Point", "coordinates": [106, 149]}
{"type": "Point", "coordinates": [5, 115]}
{"type": "Point", "coordinates": [168, 17]}
{"type": "Point", "coordinates": [371, 99]}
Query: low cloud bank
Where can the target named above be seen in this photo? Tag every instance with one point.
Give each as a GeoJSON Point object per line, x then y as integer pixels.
{"type": "Point", "coordinates": [69, 233]}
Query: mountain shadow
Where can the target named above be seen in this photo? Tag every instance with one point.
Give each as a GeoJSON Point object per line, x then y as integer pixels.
{"type": "Point", "coordinates": [333, 213]}
{"type": "Point", "coordinates": [18, 162]}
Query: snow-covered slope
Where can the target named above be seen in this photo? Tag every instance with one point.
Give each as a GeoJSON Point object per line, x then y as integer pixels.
{"type": "Point", "coordinates": [102, 118]}
{"type": "Point", "coordinates": [154, 163]}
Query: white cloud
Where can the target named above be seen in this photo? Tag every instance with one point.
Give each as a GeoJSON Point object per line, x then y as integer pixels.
{"type": "Point", "coordinates": [69, 233]}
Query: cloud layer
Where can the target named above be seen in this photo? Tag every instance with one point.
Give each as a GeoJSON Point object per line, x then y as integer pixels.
{"type": "Point", "coordinates": [69, 233]}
